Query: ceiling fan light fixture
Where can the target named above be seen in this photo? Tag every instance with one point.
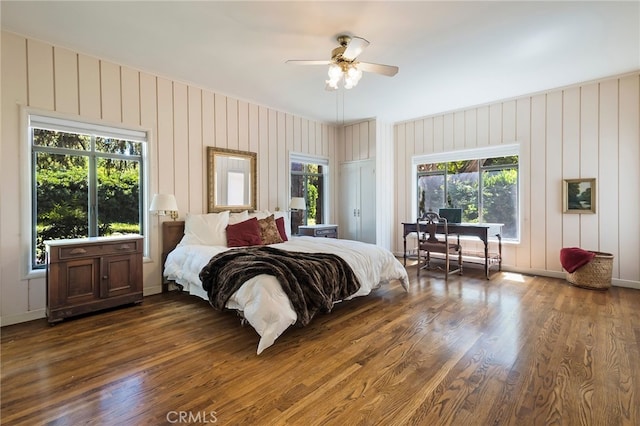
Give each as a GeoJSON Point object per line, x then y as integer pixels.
{"type": "Point", "coordinates": [335, 72]}
{"type": "Point", "coordinates": [345, 66]}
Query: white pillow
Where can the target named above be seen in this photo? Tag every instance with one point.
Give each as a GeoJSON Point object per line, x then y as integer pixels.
{"type": "Point", "coordinates": [206, 229]}
{"type": "Point", "coordinates": [260, 214]}
{"type": "Point", "coordinates": [238, 217]}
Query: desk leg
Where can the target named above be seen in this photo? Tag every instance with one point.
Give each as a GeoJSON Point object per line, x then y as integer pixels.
{"type": "Point", "coordinates": [486, 258]}
{"type": "Point", "coordinates": [499, 252]}
{"type": "Point", "coordinates": [404, 238]}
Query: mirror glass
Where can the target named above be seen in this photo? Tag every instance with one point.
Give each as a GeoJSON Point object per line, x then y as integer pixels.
{"type": "Point", "coordinates": [231, 180]}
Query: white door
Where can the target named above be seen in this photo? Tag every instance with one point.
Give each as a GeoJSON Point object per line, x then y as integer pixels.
{"type": "Point", "coordinates": [358, 201]}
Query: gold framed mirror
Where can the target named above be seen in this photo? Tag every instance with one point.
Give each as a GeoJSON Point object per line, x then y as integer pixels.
{"type": "Point", "coordinates": [231, 180]}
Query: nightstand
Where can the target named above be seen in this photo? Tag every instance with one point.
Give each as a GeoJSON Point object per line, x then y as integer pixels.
{"type": "Point", "coordinates": [327, 231]}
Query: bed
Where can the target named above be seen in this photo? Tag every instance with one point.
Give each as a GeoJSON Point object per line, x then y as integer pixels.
{"type": "Point", "coordinates": [190, 246]}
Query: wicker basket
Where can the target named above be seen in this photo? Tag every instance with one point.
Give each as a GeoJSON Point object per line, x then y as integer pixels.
{"type": "Point", "coordinates": [595, 274]}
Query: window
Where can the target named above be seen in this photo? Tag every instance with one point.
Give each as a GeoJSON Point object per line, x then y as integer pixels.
{"type": "Point", "coordinates": [308, 180]}
{"type": "Point", "coordinates": [484, 186]}
{"type": "Point", "coordinates": [87, 181]}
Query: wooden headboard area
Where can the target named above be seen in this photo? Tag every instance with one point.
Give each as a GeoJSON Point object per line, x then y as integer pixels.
{"type": "Point", "coordinates": [172, 233]}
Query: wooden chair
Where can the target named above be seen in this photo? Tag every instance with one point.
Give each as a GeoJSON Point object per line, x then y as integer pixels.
{"type": "Point", "coordinates": [429, 243]}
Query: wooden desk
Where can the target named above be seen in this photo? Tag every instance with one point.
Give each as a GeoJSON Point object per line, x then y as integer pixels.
{"type": "Point", "coordinates": [480, 230]}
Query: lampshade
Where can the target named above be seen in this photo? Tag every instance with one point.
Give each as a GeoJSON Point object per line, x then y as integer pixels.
{"type": "Point", "coordinates": [163, 203]}
{"type": "Point", "coordinates": [297, 203]}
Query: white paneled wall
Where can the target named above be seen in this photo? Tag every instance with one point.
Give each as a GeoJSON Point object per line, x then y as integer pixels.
{"type": "Point", "coordinates": [182, 120]}
{"type": "Point", "coordinates": [586, 131]}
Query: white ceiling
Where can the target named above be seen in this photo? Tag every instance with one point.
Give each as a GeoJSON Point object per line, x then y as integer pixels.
{"type": "Point", "coordinates": [451, 54]}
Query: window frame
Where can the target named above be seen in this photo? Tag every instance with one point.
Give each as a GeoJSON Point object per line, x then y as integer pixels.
{"type": "Point", "coordinates": [464, 155]}
{"type": "Point", "coordinates": [318, 160]}
{"type": "Point", "coordinates": [59, 122]}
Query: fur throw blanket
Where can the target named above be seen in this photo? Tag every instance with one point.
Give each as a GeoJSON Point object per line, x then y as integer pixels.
{"type": "Point", "coordinates": [312, 281]}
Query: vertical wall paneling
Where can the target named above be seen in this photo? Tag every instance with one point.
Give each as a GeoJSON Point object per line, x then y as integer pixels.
{"type": "Point", "coordinates": [571, 159]}
{"type": "Point", "coordinates": [272, 158]}
{"type": "Point", "coordinates": [409, 144]}
{"type": "Point", "coordinates": [332, 145]}
{"type": "Point", "coordinates": [208, 139]}
{"type": "Point", "coordinates": [110, 92]}
{"type": "Point", "coordinates": [364, 140]}
{"type": "Point", "coordinates": [311, 137]}
{"type": "Point", "coordinates": [220, 121]}
{"type": "Point", "coordinates": [458, 130]}
{"type": "Point", "coordinates": [165, 138]}
{"type": "Point", "coordinates": [608, 156]}
{"type": "Point", "coordinates": [13, 292]}
{"type": "Point", "coordinates": [589, 131]}
{"type": "Point", "coordinates": [89, 87]}
{"type": "Point", "coordinates": [539, 186]}
{"type": "Point", "coordinates": [402, 181]}
{"type": "Point", "coordinates": [372, 137]}
{"type": "Point", "coordinates": [438, 134]}
{"type": "Point", "coordinates": [523, 135]}
{"type": "Point", "coordinates": [232, 124]}
{"type": "Point", "coordinates": [66, 80]}
{"type": "Point", "coordinates": [130, 83]}
{"type": "Point", "coordinates": [428, 135]}
{"type": "Point", "coordinates": [195, 171]}
{"type": "Point", "coordinates": [495, 123]}
{"type": "Point", "coordinates": [297, 134]}
{"type": "Point", "coordinates": [347, 143]}
{"type": "Point", "coordinates": [41, 91]}
{"type": "Point", "coordinates": [629, 177]}
{"type": "Point", "coordinates": [282, 163]}
{"type": "Point", "coordinates": [447, 132]}
{"type": "Point", "coordinates": [40, 75]}
{"type": "Point", "coordinates": [304, 136]}
{"type": "Point", "coordinates": [553, 178]}
{"type": "Point", "coordinates": [148, 119]}
{"type": "Point", "coordinates": [180, 145]}
{"type": "Point", "coordinates": [418, 146]}
{"type": "Point", "coordinates": [208, 120]}
{"type": "Point", "coordinates": [254, 133]}
{"type": "Point", "coordinates": [263, 158]}
{"type": "Point", "coordinates": [508, 122]}
{"type": "Point", "coordinates": [470, 129]}
{"type": "Point", "coordinates": [483, 121]}
{"type": "Point", "coordinates": [243, 126]}
{"type": "Point", "coordinates": [319, 141]}
{"type": "Point", "coordinates": [289, 147]}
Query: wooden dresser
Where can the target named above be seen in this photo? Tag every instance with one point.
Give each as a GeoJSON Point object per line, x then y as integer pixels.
{"type": "Point", "coordinates": [327, 231]}
{"type": "Point", "coordinates": [89, 274]}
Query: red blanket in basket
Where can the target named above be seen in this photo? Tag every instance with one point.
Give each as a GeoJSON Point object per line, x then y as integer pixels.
{"type": "Point", "coordinates": [572, 258]}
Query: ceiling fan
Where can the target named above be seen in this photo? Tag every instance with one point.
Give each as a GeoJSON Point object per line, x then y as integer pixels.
{"type": "Point", "coordinates": [344, 65]}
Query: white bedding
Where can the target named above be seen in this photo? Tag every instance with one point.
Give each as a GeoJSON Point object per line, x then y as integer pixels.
{"type": "Point", "coordinates": [261, 299]}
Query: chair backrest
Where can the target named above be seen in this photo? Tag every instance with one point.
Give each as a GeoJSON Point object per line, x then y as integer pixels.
{"type": "Point", "coordinates": [432, 219]}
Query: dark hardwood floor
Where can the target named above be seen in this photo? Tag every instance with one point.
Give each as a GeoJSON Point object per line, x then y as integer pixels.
{"type": "Point", "coordinates": [515, 350]}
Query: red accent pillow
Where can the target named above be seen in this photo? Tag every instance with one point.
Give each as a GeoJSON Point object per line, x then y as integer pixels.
{"type": "Point", "coordinates": [244, 234]}
{"type": "Point", "coordinates": [281, 228]}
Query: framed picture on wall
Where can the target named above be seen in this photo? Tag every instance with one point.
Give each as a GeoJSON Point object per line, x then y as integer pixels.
{"type": "Point", "coordinates": [579, 195]}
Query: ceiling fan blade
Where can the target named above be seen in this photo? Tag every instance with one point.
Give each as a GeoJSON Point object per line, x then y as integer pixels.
{"type": "Point", "coordinates": [388, 70]}
{"type": "Point", "coordinates": [305, 62]}
{"type": "Point", "coordinates": [354, 48]}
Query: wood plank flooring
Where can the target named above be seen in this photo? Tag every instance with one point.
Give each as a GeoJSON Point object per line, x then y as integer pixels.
{"type": "Point", "coordinates": [514, 350]}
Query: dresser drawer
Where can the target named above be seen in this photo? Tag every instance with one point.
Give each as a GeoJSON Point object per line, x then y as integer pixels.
{"type": "Point", "coordinates": [329, 232]}
{"type": "Point", "coordinates": [326, 231]}
{"type": "Point", "coordinates": [92, 249]}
